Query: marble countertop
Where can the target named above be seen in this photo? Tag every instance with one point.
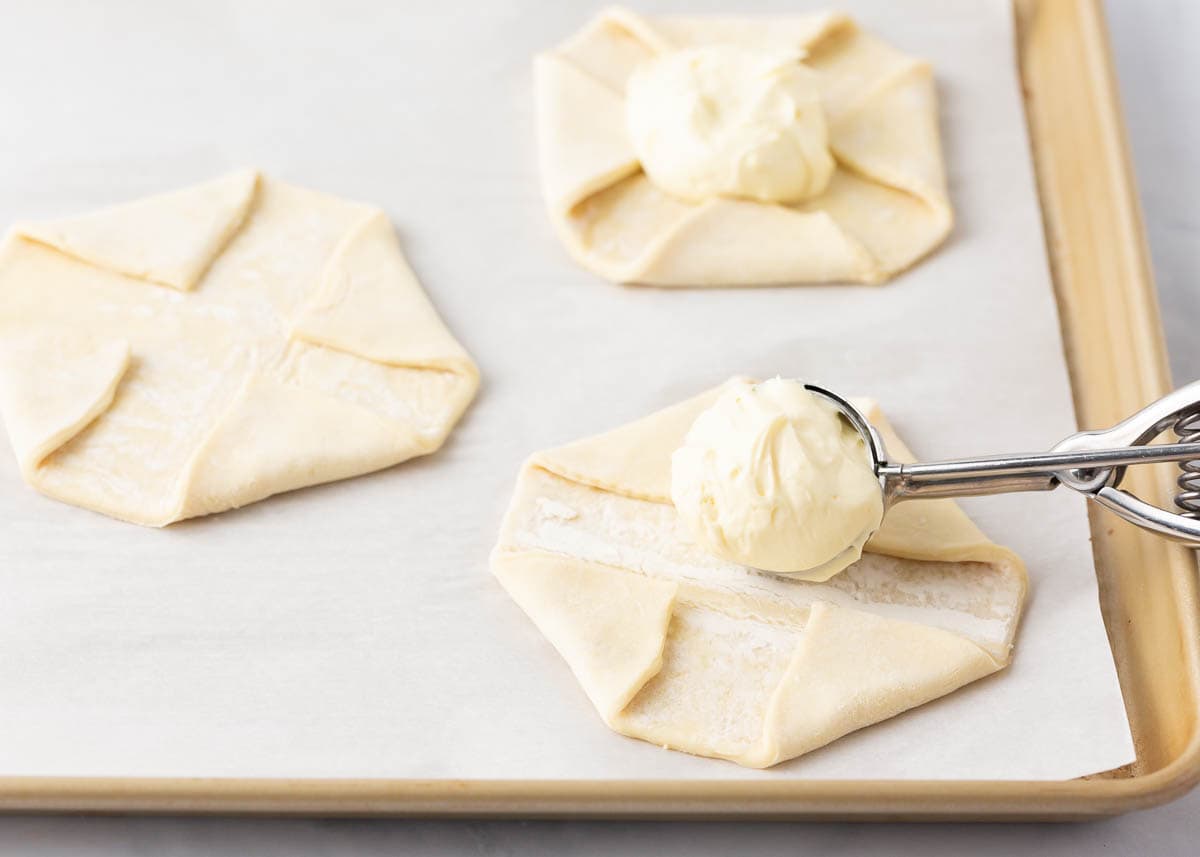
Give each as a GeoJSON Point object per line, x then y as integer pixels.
{"type": "Point", "coordinates": [1152, 40]}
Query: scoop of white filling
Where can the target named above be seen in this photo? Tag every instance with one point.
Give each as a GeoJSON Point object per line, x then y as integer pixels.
{"type": "Point", "coordinates": [724, 120]}
{"type": "Point", "coordinates": [773, 477]}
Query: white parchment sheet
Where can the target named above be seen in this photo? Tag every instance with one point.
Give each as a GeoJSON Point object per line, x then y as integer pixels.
{"type": "Point", "coordinates": [353, 630]}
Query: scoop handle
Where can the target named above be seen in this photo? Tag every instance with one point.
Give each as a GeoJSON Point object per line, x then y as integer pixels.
{"type": "Point", "coordinates": [1002, 474]}
{"type": "Point", "coordinates": [1090, 462]}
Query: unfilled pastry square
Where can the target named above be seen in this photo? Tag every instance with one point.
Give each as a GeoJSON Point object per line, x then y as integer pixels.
{"type": "Point", "coordinates": [203, 349]}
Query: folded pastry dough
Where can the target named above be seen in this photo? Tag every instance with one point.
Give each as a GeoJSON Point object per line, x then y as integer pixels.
{"type": "Point", "coordinates": [885, 207]}
{"type": "Point", "coordinates": [202, 349]}
{"type": "Point", "coordinates": [679, 648]}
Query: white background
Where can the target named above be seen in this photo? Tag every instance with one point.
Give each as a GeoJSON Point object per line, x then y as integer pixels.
{"type": "Point", "coordinates": [1153, 46]}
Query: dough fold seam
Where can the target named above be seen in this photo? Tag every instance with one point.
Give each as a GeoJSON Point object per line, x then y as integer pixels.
{"type": "Point", "coordinates": [188, 228]}
{"type": "Point", "coordinates": [52, 388]}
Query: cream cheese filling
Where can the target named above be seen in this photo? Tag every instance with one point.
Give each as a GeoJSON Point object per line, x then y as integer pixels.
{"type": "Point", "coordinates": [725, 120]}
{"type": "Point", "coordinates": [772, 477]}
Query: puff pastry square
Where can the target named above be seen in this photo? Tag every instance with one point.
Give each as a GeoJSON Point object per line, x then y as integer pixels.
{"type": "Point", "coordinates": [202, 349]}
{"type": "Point", "coordinates": [676, 647]}
{"type": "Point", "coordinates": [885, 208]}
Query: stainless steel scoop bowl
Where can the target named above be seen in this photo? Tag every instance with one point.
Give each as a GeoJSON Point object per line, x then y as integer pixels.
{"type": "Point", "coordinates": [1090, 462]}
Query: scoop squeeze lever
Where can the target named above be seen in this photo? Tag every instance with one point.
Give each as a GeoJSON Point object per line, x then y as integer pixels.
{"type": "Point", "coordinates": [1090, 462]}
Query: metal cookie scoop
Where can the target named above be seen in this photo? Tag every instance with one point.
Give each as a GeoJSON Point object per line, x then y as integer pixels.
{"type": "Point", "coordinates": [1091, 462]}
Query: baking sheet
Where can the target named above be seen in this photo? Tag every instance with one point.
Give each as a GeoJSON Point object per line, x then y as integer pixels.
{"type": "Point", "coordinates": [352, 630]}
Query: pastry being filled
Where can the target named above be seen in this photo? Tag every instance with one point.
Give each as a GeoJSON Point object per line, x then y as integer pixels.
{"type": "Point", "coordinates": [679, 646]}
{"type": "Point", "coordinates": [680, 151]}
{"type": "Point", "coordinates": [203, 349]}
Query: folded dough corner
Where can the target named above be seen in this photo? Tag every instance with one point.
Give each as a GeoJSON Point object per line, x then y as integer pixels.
{"type": "Point", "coordinates": [885, 209]}
{"type": "Point", "coordinates": [678, 648]}
{"type": "Point", "coordinates": [202, 349]}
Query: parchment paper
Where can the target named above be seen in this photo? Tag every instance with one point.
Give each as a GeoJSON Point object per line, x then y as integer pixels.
{"type": "Point", "coordinates": [353, 630]}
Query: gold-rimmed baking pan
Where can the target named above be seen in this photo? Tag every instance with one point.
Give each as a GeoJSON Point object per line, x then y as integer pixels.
{"type": "Point", "coordinates": [1148, 587]}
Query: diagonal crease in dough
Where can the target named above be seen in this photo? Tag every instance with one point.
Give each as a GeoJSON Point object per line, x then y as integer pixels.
{"type": "Point", "coordinates": [368, 302]}
{"type": "Point", "coordinates": [584, 151]}
{"type": "Point", "coordinates": [634, 459]}
{"type": "Point", "coordinates": [169, 239]}
{"type": "Point", "coordinates": [610, 627]}
{"type": "Point", "coordinates": [52, 386]}
{"type": "Point", "coordinates": [902, 109]}
{"type": "Point", "coordinates": [853, 668]}
{"type": "Point", "coordinates": [278, 437]}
